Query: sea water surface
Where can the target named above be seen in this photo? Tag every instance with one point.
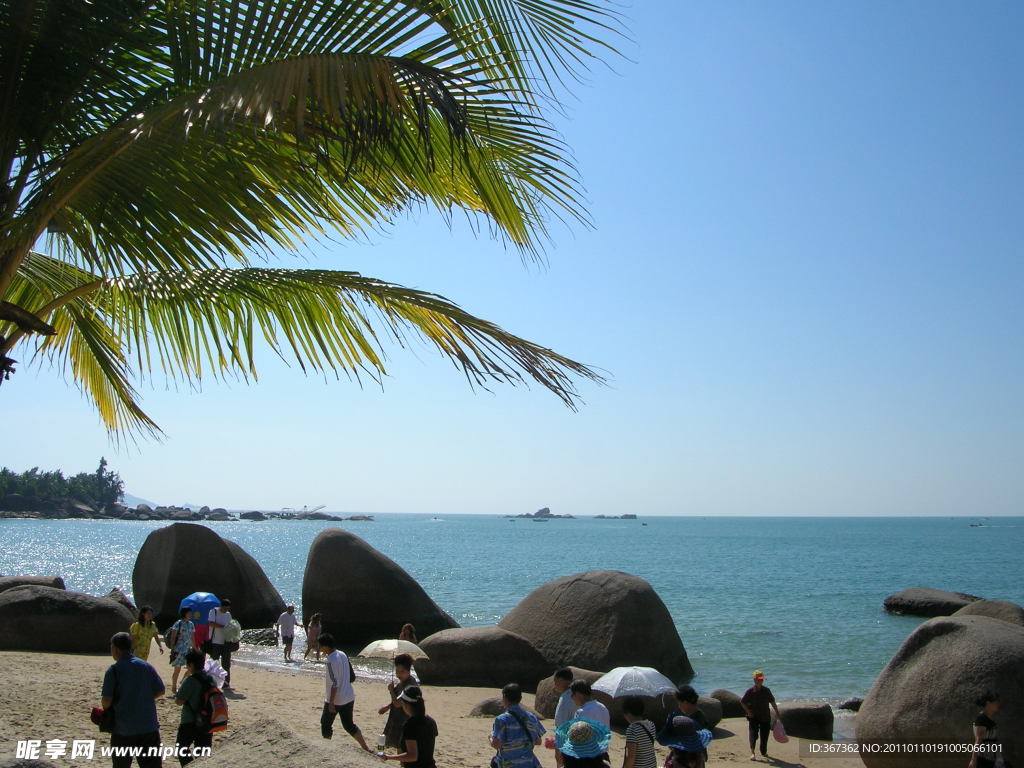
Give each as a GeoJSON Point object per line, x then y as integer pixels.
{"type": "Point", "coordinates": [800, 598]}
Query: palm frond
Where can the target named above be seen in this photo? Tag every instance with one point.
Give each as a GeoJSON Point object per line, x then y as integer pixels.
{"type": "Point", "coordinates": [191, 325]}
{"type": "Point", "coordinates": [352, 139]}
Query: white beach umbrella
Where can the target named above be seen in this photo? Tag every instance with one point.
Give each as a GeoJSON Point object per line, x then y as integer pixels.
{"type": "Point", "coordinates": [388, 649]}
{"type": "Point", "coordinates": [634, 681]}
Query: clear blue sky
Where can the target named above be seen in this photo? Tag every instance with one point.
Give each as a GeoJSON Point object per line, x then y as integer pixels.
{"type": "Point", "coordinates": [805, 280]}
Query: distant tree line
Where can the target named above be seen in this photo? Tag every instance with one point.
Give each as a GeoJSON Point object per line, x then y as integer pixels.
{"type": "Point", "coordinates": [99, 488]}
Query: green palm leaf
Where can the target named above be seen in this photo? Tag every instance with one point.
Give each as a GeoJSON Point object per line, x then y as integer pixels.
{"type": "Point", "coordinates": [187, 325]}
{"type": "Point", "coordinates": [161, 141]}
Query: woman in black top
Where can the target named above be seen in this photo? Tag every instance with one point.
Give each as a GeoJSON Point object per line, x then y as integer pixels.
{"type": "Point", "coordinates": [418, 734]}
{"type": "Point", "coordinates": [986, 740]}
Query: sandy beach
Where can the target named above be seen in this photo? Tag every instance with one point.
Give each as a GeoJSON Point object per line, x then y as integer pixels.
{"type": "Point", "coordinates": [275, 718]}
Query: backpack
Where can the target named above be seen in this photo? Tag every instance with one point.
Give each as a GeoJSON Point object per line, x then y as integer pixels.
{"type": "Point", "coordinates": [171, 635]}
{"type": "Point", "coordinates": [212, 715]}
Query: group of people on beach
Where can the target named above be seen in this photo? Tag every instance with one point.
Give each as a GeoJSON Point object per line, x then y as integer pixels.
{"type": "Point", "coordinates": [131, 686]}
{"type": "Point", "coordinates": [583, 728]}
{"type": "Point", "coordinates": [582, 732]}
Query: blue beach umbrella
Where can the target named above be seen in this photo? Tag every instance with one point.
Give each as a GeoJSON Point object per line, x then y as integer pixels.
{"type": "Point", "coordinates": [201, 604]}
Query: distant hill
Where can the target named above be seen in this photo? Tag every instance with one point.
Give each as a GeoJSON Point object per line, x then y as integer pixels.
{"type": "Point", "coordinates": [134, 501]}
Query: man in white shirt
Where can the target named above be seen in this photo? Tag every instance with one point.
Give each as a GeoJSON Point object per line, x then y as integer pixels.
{"type": "Point", "coordinates": [588, 707]}
{"type": "Point", "coordinates": [566, 708]}
{"type": "Point", "coordinates": [286, 627]}
{"type": "Point", "coordinates": [219, 618]}
{"type": "Point", "coordinates": [339, 696]}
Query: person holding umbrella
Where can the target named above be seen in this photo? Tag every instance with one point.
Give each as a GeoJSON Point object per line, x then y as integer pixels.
{"type": "Point", "coordinates": [397, 710]}
{"type": "Point", "coordinates": [219, 618]}
{"type": "Point", "coordinates": [419, 733]}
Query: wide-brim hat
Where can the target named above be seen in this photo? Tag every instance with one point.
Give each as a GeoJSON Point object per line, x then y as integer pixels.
{"type": "Point", "coordinates": [685, 736]}
{"type": "Point", "coordinates": [582, 737]}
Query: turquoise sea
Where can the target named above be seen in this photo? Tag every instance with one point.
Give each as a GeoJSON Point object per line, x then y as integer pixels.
{"type": "Point", "coordinates": [800, 598]}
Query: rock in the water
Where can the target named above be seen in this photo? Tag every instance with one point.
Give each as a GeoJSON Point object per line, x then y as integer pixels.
{"type": "Point", "coordinates": [183, 558]}
{"type": "Point", "coordinates": [121, 598]}
{"type": "Point", "coordinates": [926, 693]}
{"type": "Point", "coordinates": [9, 582]}
{"type": "Point", "coordinates": [601, 620]}
{"type": "Point", "coordinates": [254, 515]}
{"type": "Point", "coordinates": [852, 704]}
{"type": "Point", "coordinates": [731, 706]}
{"type": "Point", "coordinates": [807, 720]}
{"type": "Point", "coordinates": [925, 601]}
{"type": "Point", "coordinates": [483, 656]}
{"type": "Point", "coordinates": [994, 609]}
{"type": "Point", "coordinates": [362, 594]}
{"type": "Point", "coordinates": [34, 618]}
{"type": "Point", "coordinates": [259, 637]}
{"type": "Point", "coordinates": [546, 699]}
{"type": "Point", "coordinates": [492, 707]}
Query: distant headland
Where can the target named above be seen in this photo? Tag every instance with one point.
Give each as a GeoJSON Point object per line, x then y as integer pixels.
{"type": "Point", "coordinates": [99, 495]}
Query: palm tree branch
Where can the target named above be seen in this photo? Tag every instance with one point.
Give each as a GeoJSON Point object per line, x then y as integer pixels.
{"type": "Point", "coordinates": [369, 136]}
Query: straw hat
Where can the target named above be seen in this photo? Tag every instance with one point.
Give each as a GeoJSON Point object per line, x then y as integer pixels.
{"type": "Point", "coordinates": [582, 738]}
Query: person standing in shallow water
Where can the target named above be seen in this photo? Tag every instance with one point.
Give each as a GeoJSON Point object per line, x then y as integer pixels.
{"type": "Point", "coordinates": [312, 633]}
{"type": "Point", "coordinates": [758, 702]}
{"type": "Point", "coordinates": [285, 629]}
{"type": "Point", "coordinates": [986, 739]}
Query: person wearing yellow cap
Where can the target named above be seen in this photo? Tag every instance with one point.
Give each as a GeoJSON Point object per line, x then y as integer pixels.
{"type": "Point", "coordinates": [758, 702]}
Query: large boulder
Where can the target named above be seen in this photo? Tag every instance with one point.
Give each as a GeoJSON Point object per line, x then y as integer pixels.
{"type": "Point", "coordinates": [120, 597]}
{"type": "Point", "coordinates": [731, 705]}
{"type": "Point", "coordinates": [994, 609]}
{"type": "Point", "coordinates": [601, 620]}
{"type": "Point", "coordinates": [493, 707]}
{"type": "Point", "coordinates": [183, 558]}
{"type": "Point", "coordinates": [484, 656]}
{"type": "Point", "coordinates": [9, 582]}
{"type": "Point", "coordinates": [807, 720]}
{"type": "Point", "coordinates": [926, 694]}
{"type": "Point", "coordinates": [546, 699]}
{"type": "Point", "coordinates": [925, 601]}
{"type": "Point", "coordinates": [362, 594]}
{"type": "Point", "coordinates": [35, 618]}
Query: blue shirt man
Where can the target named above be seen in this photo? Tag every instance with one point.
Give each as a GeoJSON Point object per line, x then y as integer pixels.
{"type": "Point", "coordinates": [131, 686]}
{"type": "Point", "coordinates": [516, 732]}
